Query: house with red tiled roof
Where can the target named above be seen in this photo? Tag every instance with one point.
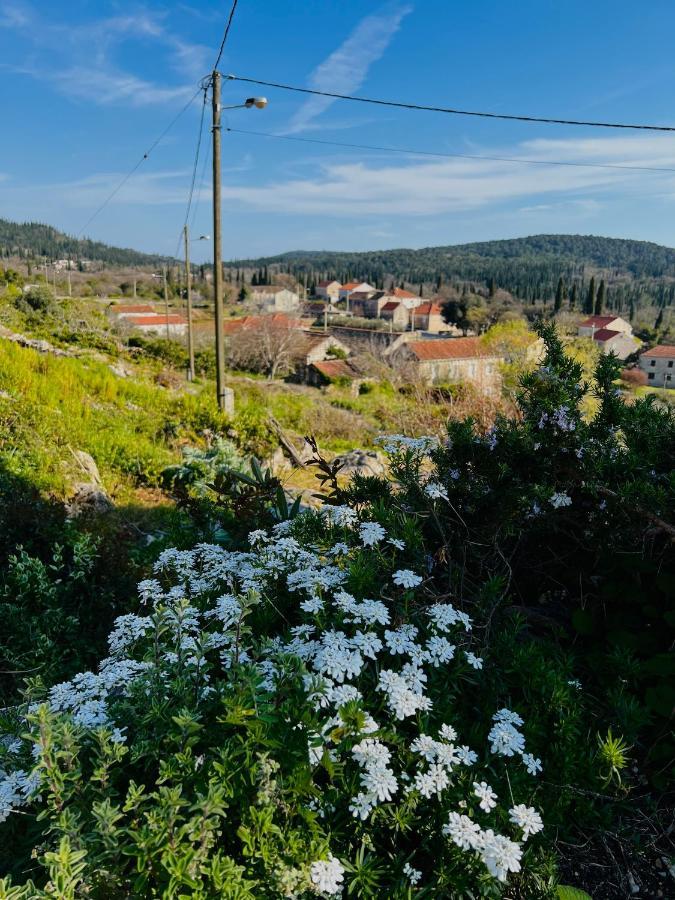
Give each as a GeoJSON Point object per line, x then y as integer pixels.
{"type": "Point", "coordinates": [154, 323]}
{"type": "Point", "coordinates": [659, 364]}
{"type": "Point", "coordinates": [443, 360]}
{"type": "Point", "coordinates": [351, 287]}
{"type": "Point", "coordinates": [612, 334]}
{"type": "Point", "coordinates": [427, 317]}
{"type": "Point", "coordinates": [397, 313]}
{"type": "Point", "coordinates": [326, 371]}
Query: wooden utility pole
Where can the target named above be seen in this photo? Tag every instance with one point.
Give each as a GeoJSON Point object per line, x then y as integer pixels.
{"type": "Point", "coordinates": [188, 300]}
{"type": "Point", "coordinates": [134, 287]}
{"type": "Point", "coordinates": [70, 286]}
{"type": "Point", "coordinates": [166, 303]}
{"type": "Point", "coordinates": [217, 244]}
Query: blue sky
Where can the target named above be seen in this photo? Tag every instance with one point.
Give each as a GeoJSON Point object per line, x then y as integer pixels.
{"type": "Point", "coordinates": [88, 86]}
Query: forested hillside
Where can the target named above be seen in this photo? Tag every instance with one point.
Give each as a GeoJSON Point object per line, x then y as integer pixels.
{"type": "Point", "coordinates": [33, 240]}
{"type": "Point", "coordinates": [529, 268]}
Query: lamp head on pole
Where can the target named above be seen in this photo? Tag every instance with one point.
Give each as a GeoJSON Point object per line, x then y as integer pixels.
{"type": "Point", "coordinates": [258, 102]}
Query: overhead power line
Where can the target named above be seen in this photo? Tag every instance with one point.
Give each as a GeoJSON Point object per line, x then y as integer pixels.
{"type": "Point", "coordinates": [137, 165]}
{"type": "Point", "coordinates": [226, 34]}
{"type": "Point", "coordinates": [411, 152]}
{"type": "Point", "coordinates": [546, 120]}
{"type": "Point", "coordinates": [194, 170]}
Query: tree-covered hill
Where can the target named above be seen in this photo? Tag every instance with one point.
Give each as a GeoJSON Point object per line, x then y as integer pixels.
{"type": "Point", "coordinates": [527, 267]}
{"type": "Point", "coordinates": [33, 240]}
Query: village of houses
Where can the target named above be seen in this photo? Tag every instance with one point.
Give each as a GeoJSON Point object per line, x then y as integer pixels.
{"type": "Point", "coordinates": [313, 340]}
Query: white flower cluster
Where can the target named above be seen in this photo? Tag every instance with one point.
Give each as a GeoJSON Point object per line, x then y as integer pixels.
{"type": "Point", "coordinates": [397, 443]}
{"type": "Point", "coordinates": [558, 500]}
{"type": "Point", "coordinates": [356, 651]}
{"type": "Point", "coordinates": [327, 876]}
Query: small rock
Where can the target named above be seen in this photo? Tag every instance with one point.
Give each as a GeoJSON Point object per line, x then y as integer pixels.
{"type": "Point", "coordinates": [363, 462]}
{"type": "Point", "coordinates": [88, 498]}
{"type": "Point", "coordinates": [88, 466]}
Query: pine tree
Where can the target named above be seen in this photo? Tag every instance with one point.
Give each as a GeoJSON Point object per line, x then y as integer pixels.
{"type": "Point", "coordinates": [574, 296]}
{"type": "Point", "coordinates": [590, 297]}
{"type": "Point", "coordinates": [600, 299]}
{"type": "Point", "coordinates": [559, 295]}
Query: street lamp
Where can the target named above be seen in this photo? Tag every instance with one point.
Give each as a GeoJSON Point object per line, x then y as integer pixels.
{"type": "Point", "coordinates": [191, 344]}
{"type": "Point", "coordinates": [249, 103]}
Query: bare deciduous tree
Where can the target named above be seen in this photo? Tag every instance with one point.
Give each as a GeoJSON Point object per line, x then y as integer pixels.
{"type": "Point", "coordinates": [271, 345]}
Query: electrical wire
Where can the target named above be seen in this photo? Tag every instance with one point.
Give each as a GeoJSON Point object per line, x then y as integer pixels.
{"type": "Point", "coordinates": [202, 182]}
{"type": "Point", "coordinates": [225, 36]}
{"type": "Point", "coordinates": [450, 110]}
{"type": "Point", "coordinates": [194, 171]}
{"type": "Point", "coordinates": [140, 162]}
{"type": "Point", "coordinates": [509, 159]}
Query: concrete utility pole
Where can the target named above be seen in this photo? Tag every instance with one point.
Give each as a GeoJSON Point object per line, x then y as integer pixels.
{"type": "Point", "coordinates": [188, 298]}
{"type": "Point", "coordinates": [134, 287]}
{"type": "Point", "coordinates": [70, 287]}
{"type": "Point", "coordinates": [217, 244]}
{"type": "Point", "coordinates": [166, 303]}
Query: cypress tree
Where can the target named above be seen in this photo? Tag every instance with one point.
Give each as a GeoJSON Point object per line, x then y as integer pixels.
{"type": "Point", "coordinates": [631, 310]}
{"type": "Point", "coordinates": [574, 295]}
{"type": "Point", "coordinates": [492, 287]}
{"type": "Point", "coordinates": [659, 320]}
{"type": "Point", "coordinates": [559, 296]}
{"type": "Point", "coordinates": [254, 279]}
{"type": "Point", "coordinates": [590, 297]}
{"type": "Point", "coordinates": [601, 298]}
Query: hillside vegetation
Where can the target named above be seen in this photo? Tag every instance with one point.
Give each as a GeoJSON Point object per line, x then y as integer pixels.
{"type": "Point", "coordinates": [34, 240]}
{"type": "Point", "coordinates": [529, 268]}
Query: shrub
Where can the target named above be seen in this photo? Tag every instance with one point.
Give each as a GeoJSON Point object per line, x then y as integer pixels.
{"type": "Point", "coordinates": [265, 729]}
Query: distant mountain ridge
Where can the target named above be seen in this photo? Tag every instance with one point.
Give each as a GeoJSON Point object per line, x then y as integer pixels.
{"type": "Point", "coordinates": [34, 240]}
{"type": "Point", "coordinates": [639, 259]}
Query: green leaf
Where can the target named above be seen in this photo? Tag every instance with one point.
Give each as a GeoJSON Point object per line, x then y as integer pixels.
{"type": "Point", "coordinates": [582, 621]}
{"type": "Point", "coordinates": [572, 893]}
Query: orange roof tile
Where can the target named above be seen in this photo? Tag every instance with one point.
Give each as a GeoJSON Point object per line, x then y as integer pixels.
{"type": "Point", "coordinates": [335, 368]}
{"type": "Point", "coordinates": [661, 351]}
{"type": "Point", "coordinates": [448, 348]}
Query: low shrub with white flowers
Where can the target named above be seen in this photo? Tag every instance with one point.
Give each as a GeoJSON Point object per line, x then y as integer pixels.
{"type": "Point", "coordinates": [293, 720]}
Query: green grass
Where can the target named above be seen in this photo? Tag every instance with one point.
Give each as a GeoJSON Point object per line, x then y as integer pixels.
{"type": "Point", "coordinates": [132, 428]}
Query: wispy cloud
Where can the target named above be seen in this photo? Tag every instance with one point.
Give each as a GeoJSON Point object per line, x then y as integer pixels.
{"type": "Point", "coordinates": [103, 81]}
{"type": "Point", "coordinates": [427, 188]}
{"type": "Point", "coordinates": [345, 70]}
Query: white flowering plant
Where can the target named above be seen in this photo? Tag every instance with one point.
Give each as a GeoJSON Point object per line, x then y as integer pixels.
{"type": "Point", "coordinates": [298, 719]}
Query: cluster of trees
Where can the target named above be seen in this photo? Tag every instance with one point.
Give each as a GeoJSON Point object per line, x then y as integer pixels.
{"type": "Point", "coordinates": [33, 240]}
{"type": "Point", "coordinates": [636, 273]}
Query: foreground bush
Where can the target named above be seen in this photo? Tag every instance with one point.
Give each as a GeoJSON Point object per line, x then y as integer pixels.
{"type": "Point", "coordinates": [268, 730]}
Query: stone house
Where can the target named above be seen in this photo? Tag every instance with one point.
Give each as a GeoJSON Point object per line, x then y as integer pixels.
{"type": "Point", "coordinates": [396, 312]}
{"type": "Point", "coordinates": [427, 317]}
{"type": "Point", "coordinates": [444, 360]}
{"type": "Point", "coordinates": [328, 290]}
{"type": "Point", "coordinates": [659, 365]}
{"type": "Point", "coordinates": [325, 371]}
{"type": "Point", "coordinates": [611, 333]}
{"type": "Point", "coordinates": [274, 298]}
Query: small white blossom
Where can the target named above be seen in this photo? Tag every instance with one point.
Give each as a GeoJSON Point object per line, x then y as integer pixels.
{"type": "Point", "coordinates": [559, 500]}
{"type": "Point", "coordinates": [462, 831]}
{"type": "Point", "coordinates": [406, 578]}
{"type": "Point", "coordinates": [413, 875]}
{"type": "Point", "coordinates": [527, 818]}
{"type": "Point", "coordinates": [532, 764]}
{"type": "Point", "coordinates": [474, 660]}
{"type": "Point", "coordinates": [487, 797]}
{"type": "Point", "coordinates": [435, 491]}
{"type": "Point", "coordinates": [371, 533]}
{"type": "Point", "coordinates": [327, 876]}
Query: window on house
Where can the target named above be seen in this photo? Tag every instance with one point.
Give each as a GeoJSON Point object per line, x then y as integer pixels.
{"type": "Point", "coordinates": [650, 376]}
{"type": "Point", "coordinates": [652, 362]}
{"type": "Point", "coordinates": [670, 364]}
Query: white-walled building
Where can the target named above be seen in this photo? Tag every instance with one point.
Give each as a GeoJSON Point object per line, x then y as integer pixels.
{"type": "Point", "coordinates": [329, 290]}
{"type": "Point", "coordinates": [659, 365]}
{"type": "Point", "coordinates": [611, 333]}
